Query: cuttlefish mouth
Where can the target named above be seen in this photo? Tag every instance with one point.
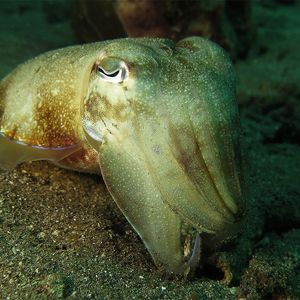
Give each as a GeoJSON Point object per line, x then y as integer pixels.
{"type": "Point", "coordinates": [158, 169]}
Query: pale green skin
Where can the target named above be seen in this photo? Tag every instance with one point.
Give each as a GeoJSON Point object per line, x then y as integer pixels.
{"type": "Point", "coordinates": [167, 137]}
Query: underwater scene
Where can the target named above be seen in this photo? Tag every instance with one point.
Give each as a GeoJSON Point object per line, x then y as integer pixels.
{"type": "Point", "coordinates": [150, 149]}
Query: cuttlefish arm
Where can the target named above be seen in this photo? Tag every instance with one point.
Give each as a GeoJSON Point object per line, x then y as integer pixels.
{"type": "Point", "coordinates": [128, 180]}
{"type": "Point", "coordinates": [200, 144]}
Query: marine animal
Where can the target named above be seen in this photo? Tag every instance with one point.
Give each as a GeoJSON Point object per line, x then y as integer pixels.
{"type": "Point", "coordinates": [157, 119]}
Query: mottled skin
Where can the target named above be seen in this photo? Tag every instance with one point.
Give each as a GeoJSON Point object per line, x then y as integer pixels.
{"type": "Point", "coordinates": [165, 134]}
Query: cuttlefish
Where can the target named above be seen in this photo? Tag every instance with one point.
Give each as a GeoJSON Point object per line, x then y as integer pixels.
{"type": "Point", "coordinates": [157, 119]}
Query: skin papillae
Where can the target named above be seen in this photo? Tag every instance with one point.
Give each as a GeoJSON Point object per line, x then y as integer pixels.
{"type": "Point", "coordinates": [157, 120]}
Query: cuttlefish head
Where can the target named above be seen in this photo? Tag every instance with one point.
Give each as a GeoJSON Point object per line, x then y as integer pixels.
{"type": "Point", "coordinates": [163, 119]}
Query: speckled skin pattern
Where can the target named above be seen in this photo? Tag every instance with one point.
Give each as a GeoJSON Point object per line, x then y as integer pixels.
{"type": "Point", "coordinates": [165, 135]}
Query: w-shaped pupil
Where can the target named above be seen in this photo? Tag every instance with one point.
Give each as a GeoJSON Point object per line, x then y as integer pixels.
{"type": "Point", "coordinates": [114, 74]}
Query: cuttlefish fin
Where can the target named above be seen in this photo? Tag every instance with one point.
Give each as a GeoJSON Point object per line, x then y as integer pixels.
{"type": "Point", "coordinates": [14, 152]}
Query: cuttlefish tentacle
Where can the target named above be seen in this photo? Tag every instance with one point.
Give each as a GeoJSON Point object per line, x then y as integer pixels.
{"type": "Point", "coordinates": [157, 119]}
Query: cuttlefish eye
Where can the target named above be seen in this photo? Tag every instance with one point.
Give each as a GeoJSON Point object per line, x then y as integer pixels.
{"type": "Point", "coordinates": [117, 75]}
